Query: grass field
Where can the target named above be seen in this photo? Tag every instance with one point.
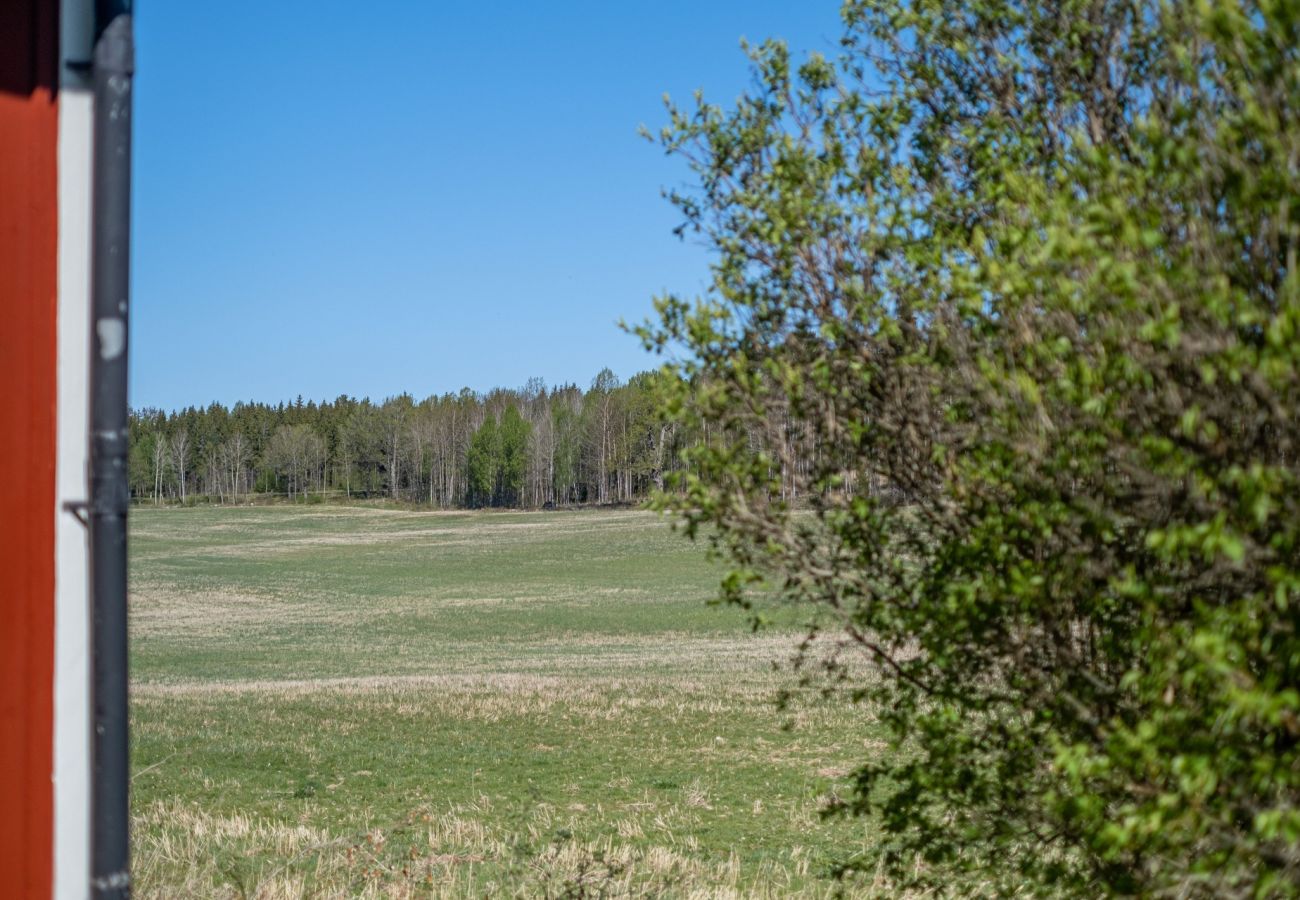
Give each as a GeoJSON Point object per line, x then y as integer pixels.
{"type": "Point", "coordinates": [342, 701]}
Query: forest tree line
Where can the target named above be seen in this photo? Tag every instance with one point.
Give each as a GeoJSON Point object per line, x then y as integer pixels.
{"type": "Point", "coordinates": [534, 446]}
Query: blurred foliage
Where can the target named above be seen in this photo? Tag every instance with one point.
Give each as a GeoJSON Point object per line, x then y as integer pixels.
{"type": "Point", "coordinates": [1021, 278]}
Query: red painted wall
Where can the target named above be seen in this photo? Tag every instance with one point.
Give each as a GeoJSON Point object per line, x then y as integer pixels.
{"type": "Point", "coordinates": [28, 298]}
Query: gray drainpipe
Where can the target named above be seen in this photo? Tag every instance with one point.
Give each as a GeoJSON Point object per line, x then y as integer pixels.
{"type": "Point", "coordinates": [114, 66]}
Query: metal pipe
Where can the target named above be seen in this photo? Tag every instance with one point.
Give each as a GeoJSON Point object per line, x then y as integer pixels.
{"type": "Point", "coordinates": [114, 66]}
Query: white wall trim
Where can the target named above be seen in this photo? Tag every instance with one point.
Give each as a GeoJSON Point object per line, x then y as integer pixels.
{"type": "Point", "coordinates": [72, 615]}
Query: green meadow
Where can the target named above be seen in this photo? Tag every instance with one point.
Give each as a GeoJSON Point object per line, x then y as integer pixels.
{"type": "Point", "coordinates": [365, 701]}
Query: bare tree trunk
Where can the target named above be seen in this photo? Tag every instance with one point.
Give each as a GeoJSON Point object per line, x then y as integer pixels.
{"type": "Point", "coordinates": [180, 449]}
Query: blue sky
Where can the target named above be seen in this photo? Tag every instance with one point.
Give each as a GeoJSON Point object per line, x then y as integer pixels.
{"type": "Point", "coordinates": [366, 199]}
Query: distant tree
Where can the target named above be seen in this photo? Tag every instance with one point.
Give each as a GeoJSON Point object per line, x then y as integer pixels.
{"type": "Point", "coordinates": [600, 406]}
{"type": "Point", "coordinates": [1009, 296]}
{"type": "Point", "coordinates": [158, 455]}
{"type": "Point", "coordinates": [649, 433]}
{"type": "Point", "coordinates": [513, 434]}
{"type": "Point", "coordinates": [394, 417]}
{"type": "Point", "coordinates": [498, 460]}
{"type": "Point", "coordinates": [234, 457]}
{"type": "Point", "coordinates": [360, 451]}
{"type": "Point", "coordinates": [566, 422]}
{"type": "Point", "coordinates": [294, 454]}
{"type": "Point", "coordinates": [140, 462]}
{"type": "Point", "coordinates": [179, 445]}
{"type": "Point", "coordinates": [484, 463]}
{"type": "Point", "coordinates": [541, 455]}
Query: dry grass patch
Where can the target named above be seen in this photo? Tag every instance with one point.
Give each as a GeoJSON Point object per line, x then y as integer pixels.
{"type": "Point", "coordinates": [185, 852]}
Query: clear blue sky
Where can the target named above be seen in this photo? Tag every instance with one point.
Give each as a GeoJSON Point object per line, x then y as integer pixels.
{"type": "Point", "coordinates": [414, 196]}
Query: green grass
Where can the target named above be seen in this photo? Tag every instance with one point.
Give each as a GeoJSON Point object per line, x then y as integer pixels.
{"type": "Point", "coordinates": [342, 701]}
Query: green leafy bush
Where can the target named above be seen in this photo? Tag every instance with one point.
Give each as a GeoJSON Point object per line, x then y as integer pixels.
{"type": "Point", "coordinates": [1007, 297]}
